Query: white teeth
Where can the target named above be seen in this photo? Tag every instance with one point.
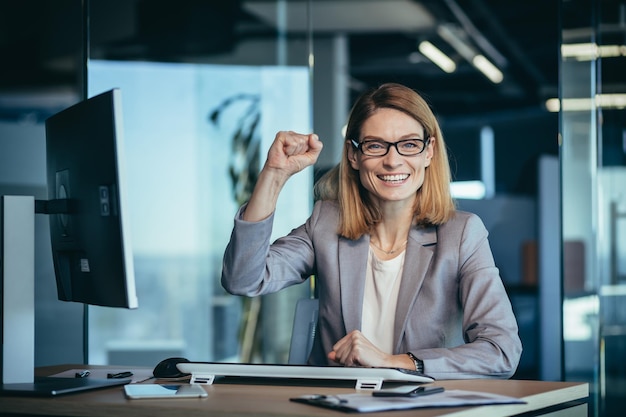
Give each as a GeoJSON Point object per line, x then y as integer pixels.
{"type": "Point", "coordinates": [401, 177]}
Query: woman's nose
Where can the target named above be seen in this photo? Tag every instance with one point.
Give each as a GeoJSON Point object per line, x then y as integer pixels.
{"type": "Point", "coordinates": [393, 157]}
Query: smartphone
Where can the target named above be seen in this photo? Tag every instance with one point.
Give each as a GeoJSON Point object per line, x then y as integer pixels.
{"type": "Point", "coordinates": [140, 391]}
{"type": "Point", "coordinates": [405, 391]}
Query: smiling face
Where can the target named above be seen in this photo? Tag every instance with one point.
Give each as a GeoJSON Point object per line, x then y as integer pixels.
{"type": "Point", "coordinates": [392, 177]}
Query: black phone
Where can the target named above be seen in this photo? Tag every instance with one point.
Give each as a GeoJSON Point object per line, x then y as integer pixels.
{"type": "Point", "coordinates": [407, 391]}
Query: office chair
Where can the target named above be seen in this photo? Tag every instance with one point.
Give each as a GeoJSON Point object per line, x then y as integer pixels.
{"type": "Point", "coordinates": [303, 333]}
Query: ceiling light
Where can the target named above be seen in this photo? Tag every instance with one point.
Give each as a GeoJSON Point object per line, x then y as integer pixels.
{"type": "Point", "coordinates": [488, 69]}
{"type": "Point", "coordinates": [591, 51]}
{"type": "Point", "coordinates": [455, 38]}
{"type": "Point", "coordinates": [440, 59]}
{"type": "Point", "coordinates": [603, 101]}
{"type": "Point", "coordinates": [450, 35]}
{"type": "Point", "coordinates": [611, 101]}
{"type": "Point", "coordinates": [553, 105]}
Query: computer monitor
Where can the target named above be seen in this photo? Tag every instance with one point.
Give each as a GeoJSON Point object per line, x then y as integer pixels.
{"type": "Point", "coordinates": [87, 203]}
{"type": "Point", "coordinates": [90, 237]}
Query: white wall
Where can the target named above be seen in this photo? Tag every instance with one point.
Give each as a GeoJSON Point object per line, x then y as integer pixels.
{"type": "Point", "coordinates": [58, 325]}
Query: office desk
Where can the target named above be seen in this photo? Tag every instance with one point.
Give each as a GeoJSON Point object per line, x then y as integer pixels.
{"type": "Point", "coordinates": [543, 398]}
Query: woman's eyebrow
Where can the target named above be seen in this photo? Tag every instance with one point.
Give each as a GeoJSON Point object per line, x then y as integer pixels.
{"type": "Point", "coordinates": [407, 136]}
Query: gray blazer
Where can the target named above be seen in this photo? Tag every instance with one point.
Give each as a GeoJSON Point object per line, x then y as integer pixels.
{"type": "Point", "coordinates": [453, 311]}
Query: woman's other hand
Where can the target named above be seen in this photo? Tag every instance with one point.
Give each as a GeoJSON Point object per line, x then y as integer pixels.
{"type": "Point", "coordinates": [354, 349]}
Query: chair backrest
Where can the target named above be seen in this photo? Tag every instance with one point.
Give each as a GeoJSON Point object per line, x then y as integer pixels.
{"type": "Point", "coordinates": [303, 333]}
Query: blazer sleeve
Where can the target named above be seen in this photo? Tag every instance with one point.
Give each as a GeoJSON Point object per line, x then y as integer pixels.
{"type": "Point", "coordinates": [491, 346]}
{"type": "Point", "coordinates": [252, 267]}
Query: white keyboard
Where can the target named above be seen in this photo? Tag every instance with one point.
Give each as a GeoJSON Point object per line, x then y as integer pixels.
{"type": "Point", "coordinates": [365, 377]}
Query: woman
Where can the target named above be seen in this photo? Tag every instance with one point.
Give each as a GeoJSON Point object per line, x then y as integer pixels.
{"type": "Point", "coordinates": [404, 280]}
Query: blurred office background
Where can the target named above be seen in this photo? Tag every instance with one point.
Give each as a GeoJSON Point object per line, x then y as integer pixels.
{"type": "Point", "coordinates": [530, 98]}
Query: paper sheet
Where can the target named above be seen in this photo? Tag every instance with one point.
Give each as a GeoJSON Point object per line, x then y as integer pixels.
{"type": "Point", "coordinates": [365, 402]}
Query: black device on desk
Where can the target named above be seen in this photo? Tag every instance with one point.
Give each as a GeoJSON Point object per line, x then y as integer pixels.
{"type": "Point", "coordinates": [53, 386]}
{"type": "Point", "coordinates": [167, 368]}
{"type": "Point", "coordinates": [408, 391]}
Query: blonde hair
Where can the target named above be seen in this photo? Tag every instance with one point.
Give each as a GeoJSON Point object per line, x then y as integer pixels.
{"type": "Point", "coordinates": [358, 213]}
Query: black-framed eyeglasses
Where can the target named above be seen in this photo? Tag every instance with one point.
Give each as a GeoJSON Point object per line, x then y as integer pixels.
{"type": "Point", "coordinates": [377, 147]}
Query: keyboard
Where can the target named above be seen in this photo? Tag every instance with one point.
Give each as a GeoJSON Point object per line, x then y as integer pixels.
{"type": "Point", "coordinates": [365, 377]}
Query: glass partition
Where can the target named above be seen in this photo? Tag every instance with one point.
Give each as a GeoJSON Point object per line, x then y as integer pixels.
{"type": "Point", "coordinates": [593, 159]}
{"type": "Point", "coordinates": [204, 91]}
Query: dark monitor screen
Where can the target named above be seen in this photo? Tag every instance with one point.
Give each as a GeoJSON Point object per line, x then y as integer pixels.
{"type": "Point", "coordinates": [87, 206]}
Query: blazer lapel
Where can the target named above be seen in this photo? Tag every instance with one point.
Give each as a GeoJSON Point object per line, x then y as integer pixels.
{"type": "Point", "coordinates": [419, 253]}
{"type": "Point", "coordinates": [352, 268]}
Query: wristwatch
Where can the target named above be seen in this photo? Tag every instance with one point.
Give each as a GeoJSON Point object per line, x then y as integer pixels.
{"type": "Point", "coordinates": [419, 364]}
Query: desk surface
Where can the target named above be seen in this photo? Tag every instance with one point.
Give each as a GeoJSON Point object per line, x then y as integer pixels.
{"type": "Point", "coordinates": [271, 400]}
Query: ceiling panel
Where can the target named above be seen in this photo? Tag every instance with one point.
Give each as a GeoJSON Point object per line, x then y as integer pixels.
{"type": "Point", "coordinates": [345, 16]}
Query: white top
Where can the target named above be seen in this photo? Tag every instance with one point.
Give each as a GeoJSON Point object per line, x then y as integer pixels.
{"type": "Point", "coordinates": [382, 285]}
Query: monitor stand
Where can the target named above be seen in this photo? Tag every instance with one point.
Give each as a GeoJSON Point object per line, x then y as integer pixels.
{"type": "Point", "coordinates": [17, 292]}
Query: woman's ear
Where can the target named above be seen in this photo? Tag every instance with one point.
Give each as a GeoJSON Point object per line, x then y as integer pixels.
{"type": "Point", "coordinates": [352, 156]}
{"type": "Point", "coordinates": [430, 151]}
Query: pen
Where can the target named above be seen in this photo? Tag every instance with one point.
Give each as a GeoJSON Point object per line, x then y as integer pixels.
{"type": "Point", "coordinates": [125, 374]}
